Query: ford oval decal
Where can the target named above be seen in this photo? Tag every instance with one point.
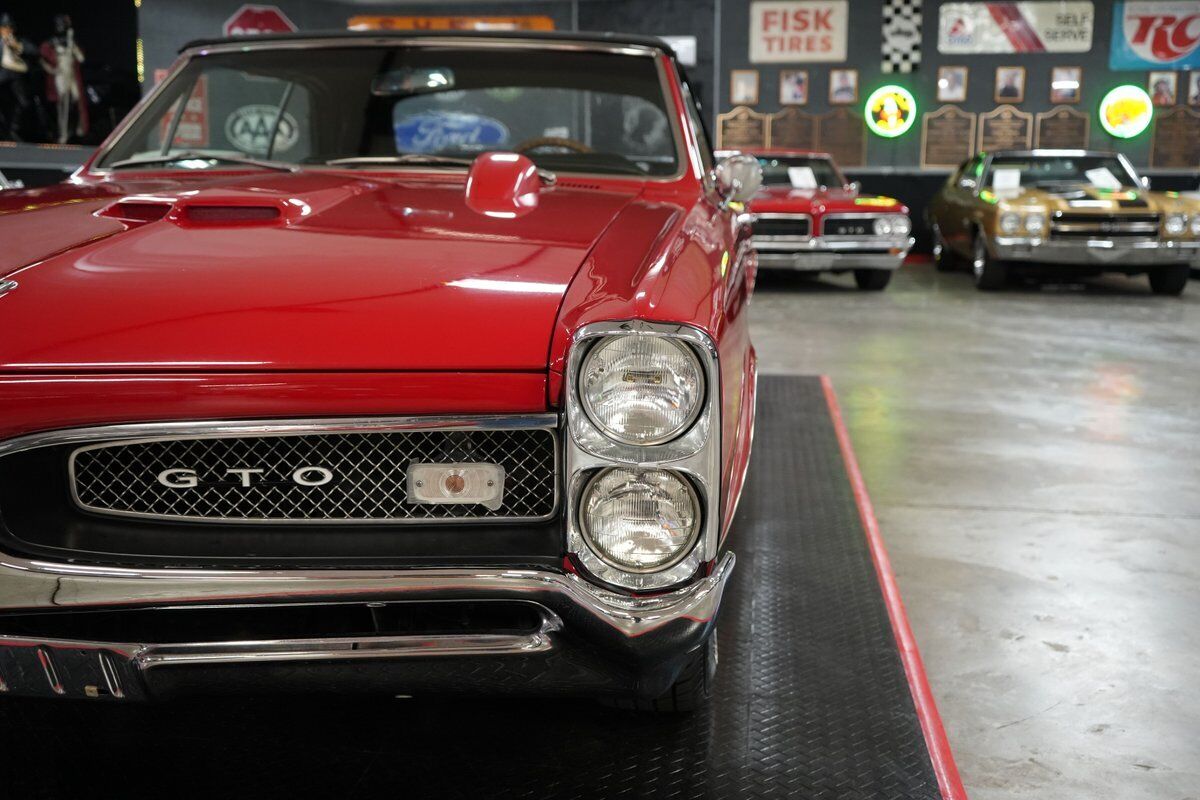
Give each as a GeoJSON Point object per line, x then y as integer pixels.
{"type": "Point", "coordinates": [439, 131]}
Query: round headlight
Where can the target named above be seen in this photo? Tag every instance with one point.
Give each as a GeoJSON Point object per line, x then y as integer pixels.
{"type": "Point", "coordinates": [901, 226]}
{"type": "Point", "coordinates": [639, 520]}
{"type": "Point", "coordinates": [1175, 224]}
{"type": "Point", "coordinates": [1195, 227]}
{"type": "Point", "coordinates": [883, 226]}
{"type": "Point", "coordinates": [641, 390]}
{"type": "Point", "coordinates": [1010, 222]}
{"type": "Point", "coordinates": [1035, 222]}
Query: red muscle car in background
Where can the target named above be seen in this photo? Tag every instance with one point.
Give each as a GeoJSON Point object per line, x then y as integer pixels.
{"type": "Point", "coordinates": [808, 217]}
{"type": "Point", "coordinates": [413, 367]}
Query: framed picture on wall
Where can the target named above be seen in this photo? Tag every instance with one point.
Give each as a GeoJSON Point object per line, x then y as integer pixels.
{"type": "Point", "coordinates": [1065, 84]}
{"type": "Point", "coordinates": [843, 86]}
{"type": "Point", "coordinates": [1193, 96]}
{"type": "Point", "coordinates": [1164, 88]}
{"type": "Point", "coordinates": [793, 87]}
{"type": "Point", "coordinates": [743, 87]}
{"type": "Point", "coordinates": [1010, 84]}
{"type": "Point", "coordinates": [952, 85]}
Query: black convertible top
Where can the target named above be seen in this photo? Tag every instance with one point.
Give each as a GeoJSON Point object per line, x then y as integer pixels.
{"type": "Point", "coordinates": [550, 36]}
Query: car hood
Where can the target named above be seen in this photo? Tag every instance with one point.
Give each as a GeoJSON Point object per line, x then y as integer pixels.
{"type": "Point", "coordinates": [783, 199]}
{"type": "Point", "coordinates": [357, 273]}
{"type": "Point", "coordinates": [1085, 198]}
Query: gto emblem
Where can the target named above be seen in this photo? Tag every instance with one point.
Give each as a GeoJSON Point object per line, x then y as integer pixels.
{"type": "Point", "coordinates": [188, 479]}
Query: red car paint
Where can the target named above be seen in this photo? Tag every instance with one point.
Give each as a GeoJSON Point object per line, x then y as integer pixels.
{"type": "Point", "coordinates": [821, 201]}
{"type": "Point", "coordinates": [370, 292]}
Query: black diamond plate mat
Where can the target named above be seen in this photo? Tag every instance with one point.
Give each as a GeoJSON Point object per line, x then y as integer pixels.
{"type": "Point", "coordinates": [811, 699]}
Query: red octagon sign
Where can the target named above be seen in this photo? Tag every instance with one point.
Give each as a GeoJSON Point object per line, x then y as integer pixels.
{"type": "Point", "coordinates": [252, 19]}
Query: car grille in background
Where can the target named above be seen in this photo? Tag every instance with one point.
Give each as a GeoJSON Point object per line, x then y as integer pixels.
{"type": "Point", "coordinates": [1104, 226]}
{"type": "Point", "coordinates": [795, 227]}
{"type": "Point", "coordinates": [857, 226]}
{"type": "Point", "coordinates": [369, 469]}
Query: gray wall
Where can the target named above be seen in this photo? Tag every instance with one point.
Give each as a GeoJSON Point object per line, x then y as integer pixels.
{"type": "Point", "coordinates": [168, 24]}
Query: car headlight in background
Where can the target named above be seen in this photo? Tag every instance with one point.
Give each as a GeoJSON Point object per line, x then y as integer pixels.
{"type": "Point", "coordinates": [640, 519]}
{"type": "Point", "coordinates": [883, 226]}
{"type": "Point", "coordinates": [1035, 223]}
{"type": "Point", "coordinates": [641, 390]}
{"type": "Point", "coordinates": [1175, 224]}
{"type": "Point", "coordinates": [901, 226]}
{"type": "Point", "coordinates": [1010, 222]}
{"type": "Point", "coordinates": [1195, 226]}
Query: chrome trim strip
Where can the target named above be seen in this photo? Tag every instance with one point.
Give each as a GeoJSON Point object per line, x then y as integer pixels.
{"type": "Point", "coordinates": [139, 433]}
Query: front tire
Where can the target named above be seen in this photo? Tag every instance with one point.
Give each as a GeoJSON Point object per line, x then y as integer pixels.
{"type": "Point", "coordinates": [1169, 280]}
{"type": "Point", "coordinates": [691, 690]}
{"type": "Point", "coordinates": [990, 274]}
{"type": "Point", "coordinates": [872, 280]}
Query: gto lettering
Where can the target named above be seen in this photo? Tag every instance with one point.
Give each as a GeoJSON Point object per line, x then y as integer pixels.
{"type": "Point", "coordinates": [179, 478]}
{"type": "Point", "coordinates": [182, 478]}
{"type": "Point", "coordinates": [303, 477]}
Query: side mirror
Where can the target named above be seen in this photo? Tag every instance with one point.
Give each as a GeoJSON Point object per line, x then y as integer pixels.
{"type": "Point", "coordinates": [737, 178]}
{"type": "Point", "coordinates": [854, 186]}
{"type": "Point", "coordinates": [1145, 182]}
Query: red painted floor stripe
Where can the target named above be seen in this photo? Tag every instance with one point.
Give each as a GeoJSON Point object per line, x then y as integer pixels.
{"type": "Point", "coordinates": [931, 722]}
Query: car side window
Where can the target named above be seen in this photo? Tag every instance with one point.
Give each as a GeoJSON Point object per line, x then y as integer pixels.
{"type": "Point", "coordinates": [967, 179]}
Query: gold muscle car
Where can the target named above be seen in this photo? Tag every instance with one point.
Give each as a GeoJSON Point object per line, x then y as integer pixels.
{"type": "Point", "coordinates": [1067, 211]}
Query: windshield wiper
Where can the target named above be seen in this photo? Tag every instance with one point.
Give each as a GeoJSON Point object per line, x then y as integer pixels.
{"type": "Point", "coordinates": [194, 156]}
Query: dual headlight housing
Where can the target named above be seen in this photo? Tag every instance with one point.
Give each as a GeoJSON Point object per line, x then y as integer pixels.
{"type": "Point", "coordinates": [897, 225]}
{"type": "Point", "coordinates": [642, 453]}
{"type": "Point", "coordinates": [1176, 224]}
{"type": "Point", "coordinates": [1031, 222]}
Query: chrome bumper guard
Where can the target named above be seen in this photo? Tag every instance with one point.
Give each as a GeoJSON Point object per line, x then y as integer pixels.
{"type": "Point", "coordinates": [1097, 252]}
{"type": "Point", "coordinates": [591, 641]}
{"type": "Point", "coordinates": [821, 253]}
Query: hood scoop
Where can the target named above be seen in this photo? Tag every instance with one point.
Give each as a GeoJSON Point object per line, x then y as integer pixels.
{"type": "Point", "coordinates": [136, 211]}
{"type": "Point", "coordinates": [205, 214]}
{"type": "Point", "coordinates": [193, 212]}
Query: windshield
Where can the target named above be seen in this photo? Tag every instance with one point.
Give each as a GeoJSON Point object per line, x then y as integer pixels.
{"type": "Point", "coordinates": [569, 111]}
{"type": "Point", "coordinates": [1105, 172]}
{"type": "Point", "coordinates": [800, 172]}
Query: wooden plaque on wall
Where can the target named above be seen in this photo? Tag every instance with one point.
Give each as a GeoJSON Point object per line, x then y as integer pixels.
{"type": "Point", "coordinates": [1176, 141]}
{"type": "Point", "coordinates": [792, 128]}
{"type": "Point", "coordinates": [1005, 128]}
{"type": "Point", "coordinates": [843, 135]}
{"type": "Point", "coordinates": [947, 137]}
{"type": "Point", "coordinates": [1063, 128]}
{"type": "Point", "coordinates": [741, 128]}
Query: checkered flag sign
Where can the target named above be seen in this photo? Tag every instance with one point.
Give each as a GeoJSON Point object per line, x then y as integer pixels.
{"type": "Point", "coordinates": [901, 35]}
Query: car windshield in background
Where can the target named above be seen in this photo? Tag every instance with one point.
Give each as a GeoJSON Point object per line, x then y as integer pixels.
{"type": "Point", "coordinates": [800, 172]}
{"type": "Point", "coordinates": [370, 106]}
{"type": "Point", "coordinates": [1105, 172]}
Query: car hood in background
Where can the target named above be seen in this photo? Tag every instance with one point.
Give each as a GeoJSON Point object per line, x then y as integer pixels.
{"type": "Point", "coordinates": [1084, 198]}
{"type": "Point", "coordinates": [785, 199]}
{"type": "Point", "coordinates": [360, 274]}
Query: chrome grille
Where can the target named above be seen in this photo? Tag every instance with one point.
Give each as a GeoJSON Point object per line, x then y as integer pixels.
{"type": "Point", "coordinates": [789, 226]}
{"type": "Point", "coordinates": [1104, 226]}
{"type": "Point", "coordinates": [369, 484]}
{"type": "Point", "coordinates": [849, 226]}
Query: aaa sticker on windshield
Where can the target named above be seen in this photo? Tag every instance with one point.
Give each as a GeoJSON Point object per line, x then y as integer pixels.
{"type": "Point", "coordinates": [249, 129]}
{"type": "Point", "coordinates": [447, 131]}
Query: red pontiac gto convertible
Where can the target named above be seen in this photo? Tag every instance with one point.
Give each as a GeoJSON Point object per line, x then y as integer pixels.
{"type": "Point", "coordinates": [808, 217]}
{"type": "Point", "coordinates": [397, 363]}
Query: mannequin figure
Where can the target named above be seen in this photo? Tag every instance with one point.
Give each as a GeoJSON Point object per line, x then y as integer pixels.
{"type": "Point", "coordinates": [61, 58]}
{"type": "Point", "coordinates": [14, 76]}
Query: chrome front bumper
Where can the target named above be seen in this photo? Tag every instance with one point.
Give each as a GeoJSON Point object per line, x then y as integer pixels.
{"type": "Point", "coordinates": [1114, 253]}
{"type": "Point", "coordinates": [591, 641]}
{"type": "Point", "coordinates": [820, 254]}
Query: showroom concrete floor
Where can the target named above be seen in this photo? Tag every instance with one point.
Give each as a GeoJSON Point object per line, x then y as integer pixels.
{"type": "Point", "coordinates": [1034, 460]}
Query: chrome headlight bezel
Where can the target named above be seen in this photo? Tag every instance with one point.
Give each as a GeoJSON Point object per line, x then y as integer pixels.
{"type": "Point", "coordinates": [901, 226]}
{"type": "Point", "coordinates": [1009, 222]}
{"type": "Point", "coordinates": [1036, 222]}
{"type": "Point", "coordinates": [1175, 224]}
{"type": "Point", "coordinates": [1194, 227]}
{"type": "Point", "coordinates": [695, 456]}
{"type": "Point", "coordinates": [666, 436]}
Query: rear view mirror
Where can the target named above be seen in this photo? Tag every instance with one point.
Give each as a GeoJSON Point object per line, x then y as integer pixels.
{"type": "Point", "coordinates": [408, 81]}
